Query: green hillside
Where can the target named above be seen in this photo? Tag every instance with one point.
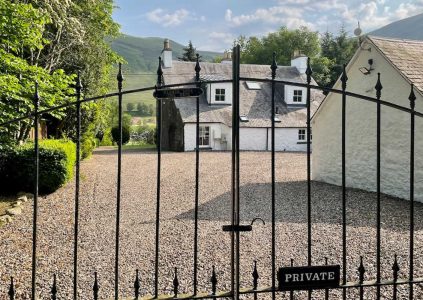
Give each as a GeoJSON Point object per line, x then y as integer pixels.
{"type": "Point", "coordinates": [142, 53]}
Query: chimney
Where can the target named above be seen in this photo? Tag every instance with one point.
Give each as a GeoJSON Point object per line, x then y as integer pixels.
{"type": "Point", "coordinates": [227, 57]}
{"type": "Point", "coordinates": [167, 54]}
{"type": "Point", "coordinates": [299, 61]}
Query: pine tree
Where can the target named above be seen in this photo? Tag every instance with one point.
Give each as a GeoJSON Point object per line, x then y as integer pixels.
{"type": "Point", "coordinates": [189, 53]}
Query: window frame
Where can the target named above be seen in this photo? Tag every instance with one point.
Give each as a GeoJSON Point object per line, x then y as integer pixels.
{"type": "Point", "coordinates": [219, 96]}
{"type": "Point", "coordinates": [297, 96]}
{"type": "Point", "coordinates": [204, 134]}
{"type": "Point", "coordinates": [302, 135]}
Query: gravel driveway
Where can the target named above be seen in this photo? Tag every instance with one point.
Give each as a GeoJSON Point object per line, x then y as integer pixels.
{"type": "Point", "coordinates": [97, 226]}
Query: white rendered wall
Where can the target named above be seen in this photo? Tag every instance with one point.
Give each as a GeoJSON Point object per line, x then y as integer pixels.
{"type": "Point", "coordinates": [286, 139]}
{"type": "Point", "coordinates": [252, 138]}
{"type": "Point", "coordinates": [224, 143]}
{"type": "Point", "coordinates": [361, 134]}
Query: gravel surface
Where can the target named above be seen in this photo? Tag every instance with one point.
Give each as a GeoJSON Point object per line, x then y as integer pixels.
{"type": "Point", "coordinates": [98, 213]}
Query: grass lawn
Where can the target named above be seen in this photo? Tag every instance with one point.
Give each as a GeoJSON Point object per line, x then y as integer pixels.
{"type": "Point", "coordinates": [5, 203]}
{"type": "Point", "coordinates": [132, 82]}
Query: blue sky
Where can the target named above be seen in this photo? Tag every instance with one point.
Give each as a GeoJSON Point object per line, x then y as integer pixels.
{"type": "Point", "coordinates": [214, 24]}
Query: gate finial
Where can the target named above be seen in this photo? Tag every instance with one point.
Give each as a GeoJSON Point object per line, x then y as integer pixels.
{"type": "Point", "coordinates": [119, 77]}
{"type": "Point", "coordinates": [378, 87]}
{"type": "Point", "coordinates": [309, 71]}
{"type": "Point", "coordinates": [274, 66]}
{"type": "Point", "coordinates": [78, 86]}
{"type": "Point", "coordinates": [412, 97]}
{"type": "Point", "coordinates": [197, 68]}
{"type": "Point", "coordinates": [344, 77]}
{"type": "Point", "coordinates": [159, 73]}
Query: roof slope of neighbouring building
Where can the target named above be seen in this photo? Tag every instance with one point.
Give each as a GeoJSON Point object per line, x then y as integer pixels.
{"type": "Point", "coordinates": [405, 55]}
{"type": "Point", "coordinates": [254, 104]}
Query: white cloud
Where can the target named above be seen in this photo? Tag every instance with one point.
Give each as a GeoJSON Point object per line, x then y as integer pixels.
{"type": "Point", "coordinates": [291, 16]}
{"type": "Point", "coordinates": [165, 19]}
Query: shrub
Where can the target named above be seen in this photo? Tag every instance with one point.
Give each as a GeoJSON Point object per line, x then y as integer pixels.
{"type": "Point", "coordinates": [57, 160]}
{"type": "Point", "coordinates": [125, 134]}
{"type": "Point", "coordinates": [107, 138]}
{"type": "Point", "coordinates": [88, 144]}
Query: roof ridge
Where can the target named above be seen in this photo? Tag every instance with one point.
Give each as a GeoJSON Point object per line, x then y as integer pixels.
{"type": "Point", "coordinates": [375, 37]}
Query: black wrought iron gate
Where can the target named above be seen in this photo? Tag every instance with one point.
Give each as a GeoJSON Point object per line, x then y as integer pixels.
{"type": "Point", "coordinates": [235, 228]}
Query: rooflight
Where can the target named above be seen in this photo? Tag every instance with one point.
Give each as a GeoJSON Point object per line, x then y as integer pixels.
{"type": "Point", "coordinates": [243, 118]}
{"type": "Point", "coordinates": [253, 85]}
{"type": "Point", "coordinates": [277, 120]}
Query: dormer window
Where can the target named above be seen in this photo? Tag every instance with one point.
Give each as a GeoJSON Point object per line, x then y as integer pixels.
{"type": "Point", "coordinates": [298, 96]}
{"type": "Point", "coordinates": [220, 95]}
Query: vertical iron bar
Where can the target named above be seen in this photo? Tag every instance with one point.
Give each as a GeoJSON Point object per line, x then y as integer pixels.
{"type": "Point", "coordinates": [412, 99]}
{"type": "Point", "coordinates": [119, 178]}
{"type": "Point", "coordinates": [78, 89]}
{"type": "Point", "coordinates": [378, 221]}
{"type": "Point", "coordinates": [197, 174]}
{"type": "Point", "coordinates": [291, 293]}
{"type": "Point", "coordinates": [233, 173]}
{"type": "Point", "coordinates": [237, 205]}
{"type": "Point", "coordinates": [309, 72]}
{"type": "Point", "coordinates": [273, 67]}
{"type": "Point", "coordinates": [159, 162]}
{"type": "Point", "coordinates": [344, 80]}
{"type": "Point", "coordinates": [36, 180]}
{"type": "Point", "coordinates": [326, 290]}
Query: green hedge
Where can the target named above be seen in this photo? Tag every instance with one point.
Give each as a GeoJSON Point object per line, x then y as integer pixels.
{"type": "Point", "coordinates": [57, 160]}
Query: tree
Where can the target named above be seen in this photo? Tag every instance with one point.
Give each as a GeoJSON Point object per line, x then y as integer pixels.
{"type": "Point", "coordinates": [130, 106]}
{"type": "Point", "coordinates": [327, 54]}
{"type": "Point", "coordinates": [339, 50]}
{"type": "Point", "coordinates": [125, 134]}
{"type": "Point", "coordinates": [139, 107]}
{"type": "Point", "coordinates": [284, 42]}
{"type": "Point", "coordinates": [49, 41]}
{"type": "Point", "coordinates": [189, 53]}
{"type": "Point", "coordinates": [23, 27]}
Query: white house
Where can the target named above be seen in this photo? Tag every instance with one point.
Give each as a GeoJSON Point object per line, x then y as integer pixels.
{"type": "Point", "coordinates": [179, 115]}
{"type": "Point", "coordinates": [400, 63]}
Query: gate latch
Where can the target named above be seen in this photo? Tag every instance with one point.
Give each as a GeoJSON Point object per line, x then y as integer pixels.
{"type": "Point", "coordinates": [241, 228]}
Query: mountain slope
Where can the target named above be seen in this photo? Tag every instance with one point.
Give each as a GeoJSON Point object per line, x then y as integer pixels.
{"type": "Point", "coordinates": [409, 28]}
{"type": "Point", "coordinates": [142, 53]}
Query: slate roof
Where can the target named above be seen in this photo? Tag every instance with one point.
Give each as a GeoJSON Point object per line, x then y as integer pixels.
{"type": "Point", "coordinates": [255, 104]}
{"type": "Point", "coordinates": [405, 55]}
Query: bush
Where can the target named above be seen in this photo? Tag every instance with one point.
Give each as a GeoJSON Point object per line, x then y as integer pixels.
{"type": "Point", "coordinates": [57, 160]}
{"type": "Point", "coordinates": [125, 134]}
{"type": "Point", "coordinates": [107, 138]}
{"type": "Point", "coordinates": [88, 144]}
